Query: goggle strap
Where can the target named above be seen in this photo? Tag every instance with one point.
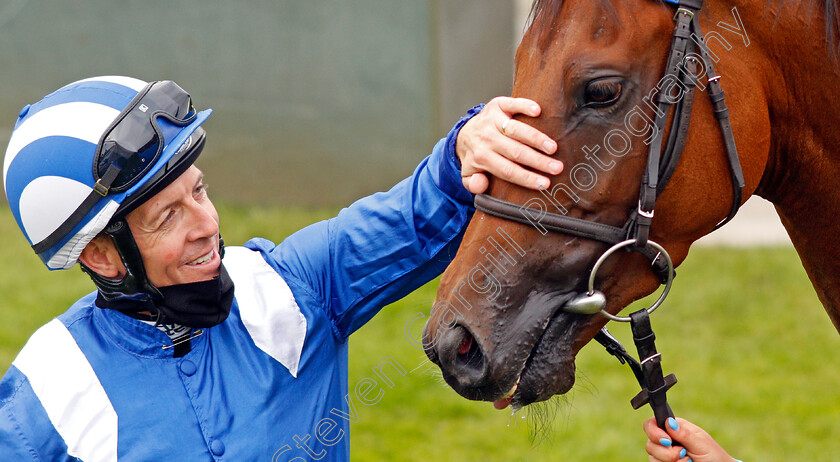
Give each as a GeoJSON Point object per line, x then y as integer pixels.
{"type": "Point", "coordinates": [103, 185]}
{"type": "Point", "coordinates": [76, 217]}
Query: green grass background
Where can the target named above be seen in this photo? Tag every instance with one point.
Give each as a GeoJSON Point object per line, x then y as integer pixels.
{"type": "Point", "coordinates": [754, 352]}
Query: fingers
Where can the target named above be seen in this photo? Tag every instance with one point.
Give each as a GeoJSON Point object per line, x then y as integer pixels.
{"type": "Point", "coordinates": [528, 135]}
{"type": "Point", "coordinates": [660, 445]}
{"type": "Point", "coordinates": [476, 183]}
{"type": "Point", "coordinates": [509, 165]}
{"type": "Point", "coordinates": [504, 126]}
{"type": "Point", "coordinates": [653, 432]}
{"type": "Point", "coordinates": [699, 445]}
{"type": "Point", "coordinates": [494, 143]}
{"type": "Point", "coordinates": [660, 453]}
{"type": "Point", "coordinates": [521, 131]}
{"type": "Point", "coordinates": [512, 106]}
{"type": "Point", "coordinates": [520, 153]}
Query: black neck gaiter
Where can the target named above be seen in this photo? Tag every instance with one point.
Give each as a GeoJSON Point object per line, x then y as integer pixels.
{"type": "Point", "coordinates": [195, 304]}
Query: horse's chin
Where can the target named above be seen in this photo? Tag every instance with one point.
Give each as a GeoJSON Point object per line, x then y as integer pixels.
{"type": "Point", "coordinates": [550, 368]}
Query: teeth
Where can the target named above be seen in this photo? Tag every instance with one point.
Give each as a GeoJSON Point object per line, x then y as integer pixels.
{"type": "Point", "coordinates": [505, 401]}
{"type": "Point", "coordinates": [202, 260]}
{"type": "Point", "coordinates": [510, 393]}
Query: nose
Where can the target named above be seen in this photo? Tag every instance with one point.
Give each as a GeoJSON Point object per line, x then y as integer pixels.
{"type": "Point", "coordinates": [204, 220]}
{"type": "Point", "coordinates": [461, 359]}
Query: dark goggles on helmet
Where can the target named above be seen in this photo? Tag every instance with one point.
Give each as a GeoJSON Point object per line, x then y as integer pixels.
{"type": "Point", "coordinates": [134, 141]}
{"type": "Point", "coordinates": [131, 146]}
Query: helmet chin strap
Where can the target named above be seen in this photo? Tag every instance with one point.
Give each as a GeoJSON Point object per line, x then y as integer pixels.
{"type": "Point", "coordinates": [134, 285]}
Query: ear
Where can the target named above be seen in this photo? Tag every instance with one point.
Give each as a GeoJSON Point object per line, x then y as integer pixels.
{"type": "Point", "coordinates": [101, 256]}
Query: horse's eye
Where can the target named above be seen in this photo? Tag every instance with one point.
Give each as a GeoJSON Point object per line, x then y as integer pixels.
{"type": "Point", "coordinates": [602, 92]}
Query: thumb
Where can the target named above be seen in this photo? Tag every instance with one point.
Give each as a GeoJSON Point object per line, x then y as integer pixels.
{"type": "Point", "coordinates": [476, 183]}
{"type": "Point", "coordinates": [699, 444]}
{"type": "Point", "coordinates": [680, 431]}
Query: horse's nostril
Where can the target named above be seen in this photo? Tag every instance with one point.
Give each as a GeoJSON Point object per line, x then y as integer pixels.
{"type": "Point", "coordinates": [462, 360]}
{"type": "Point", "coordinates": [469, 361]}
{"type": "Point", "coordinates": [469, 353]}
{"type": "Point", "coordinates": [466, 344]}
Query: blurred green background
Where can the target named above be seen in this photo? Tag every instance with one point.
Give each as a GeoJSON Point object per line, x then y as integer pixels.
{"type": "Point", "coordinates": [754, 352]}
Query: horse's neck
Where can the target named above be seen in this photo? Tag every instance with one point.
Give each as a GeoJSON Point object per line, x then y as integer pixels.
{"type": "Point", "coordinates": [808, 201]}
{"type": "Point", "coordinates": [803, 169]}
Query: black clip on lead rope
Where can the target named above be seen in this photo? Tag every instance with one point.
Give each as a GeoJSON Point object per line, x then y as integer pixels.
{"type": "Point", "coordinates": [648, 372]}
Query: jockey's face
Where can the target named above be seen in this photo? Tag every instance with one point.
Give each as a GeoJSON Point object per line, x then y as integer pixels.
{"type": "Point", "coordinates": [177, 232]}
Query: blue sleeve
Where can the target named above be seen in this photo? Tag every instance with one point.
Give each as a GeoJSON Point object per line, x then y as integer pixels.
{"type": "Point", "coordinates": [26, 432]}
{"type": "Point", "coordinates": [382, 247]}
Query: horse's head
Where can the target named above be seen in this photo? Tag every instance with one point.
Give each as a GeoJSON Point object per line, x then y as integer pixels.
{"type": "Point", "coordinates": [499, 326]}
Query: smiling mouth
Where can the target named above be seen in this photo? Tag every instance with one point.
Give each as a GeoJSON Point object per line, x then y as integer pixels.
{"type": "Point", "coordinates": [203, 259]}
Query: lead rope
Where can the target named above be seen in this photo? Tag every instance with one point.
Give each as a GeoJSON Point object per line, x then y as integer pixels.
{"type": "Point", "coordinates": [648, 371]}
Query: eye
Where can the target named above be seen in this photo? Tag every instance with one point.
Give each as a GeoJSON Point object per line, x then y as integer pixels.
{"type": "Point", "coordinates": [169, 215]}
{"type": "Point", "coordinates": [200, 190]}
{"type": "Point", "coordinates": [602, 92]}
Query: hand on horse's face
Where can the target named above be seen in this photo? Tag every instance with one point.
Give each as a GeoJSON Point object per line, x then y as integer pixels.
{"type": "Point", "coordinates": [491, 143]}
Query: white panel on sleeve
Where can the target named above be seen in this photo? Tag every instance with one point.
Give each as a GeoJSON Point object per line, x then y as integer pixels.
{"type": "Point", "coordinates": [267, 306]}
{"type": "Point", "coordinates": [64, 382]}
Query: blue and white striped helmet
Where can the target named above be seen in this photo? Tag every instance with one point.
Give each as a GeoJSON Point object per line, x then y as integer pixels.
{"type": "Point", "coordinates": [50, 165]}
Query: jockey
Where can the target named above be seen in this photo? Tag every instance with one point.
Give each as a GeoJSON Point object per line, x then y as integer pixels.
{"type": "Point", "coordinates": [189, 350]}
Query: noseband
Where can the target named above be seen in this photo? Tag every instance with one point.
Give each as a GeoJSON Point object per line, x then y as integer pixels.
{"type": "Point", "coordinates": [682, 65]}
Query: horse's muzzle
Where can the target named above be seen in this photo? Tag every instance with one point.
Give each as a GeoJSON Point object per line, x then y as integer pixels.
{"type": "Point", "coordinates": [520, 360]}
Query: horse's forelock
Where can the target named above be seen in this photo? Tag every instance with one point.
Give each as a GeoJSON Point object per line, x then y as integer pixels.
{"type": "Point", "coordinates": [542, 9]}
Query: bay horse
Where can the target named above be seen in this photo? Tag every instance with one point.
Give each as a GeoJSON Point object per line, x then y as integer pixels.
{"type": "Point", "coordinates": [499, 330]}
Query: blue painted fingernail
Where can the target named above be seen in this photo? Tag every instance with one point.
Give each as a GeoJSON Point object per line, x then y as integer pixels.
{"type": "Point", "coordinates": [665, 442]}
{"type": "Point", "coordinates": [672, 422]}
{"type": "Point", "coordinates": [690, 460]}
{"type": "Point", "coordinates": [682, 453]}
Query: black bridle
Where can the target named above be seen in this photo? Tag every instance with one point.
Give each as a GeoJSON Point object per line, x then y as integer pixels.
{"type": "Point", "coordinates": [682, 65]}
